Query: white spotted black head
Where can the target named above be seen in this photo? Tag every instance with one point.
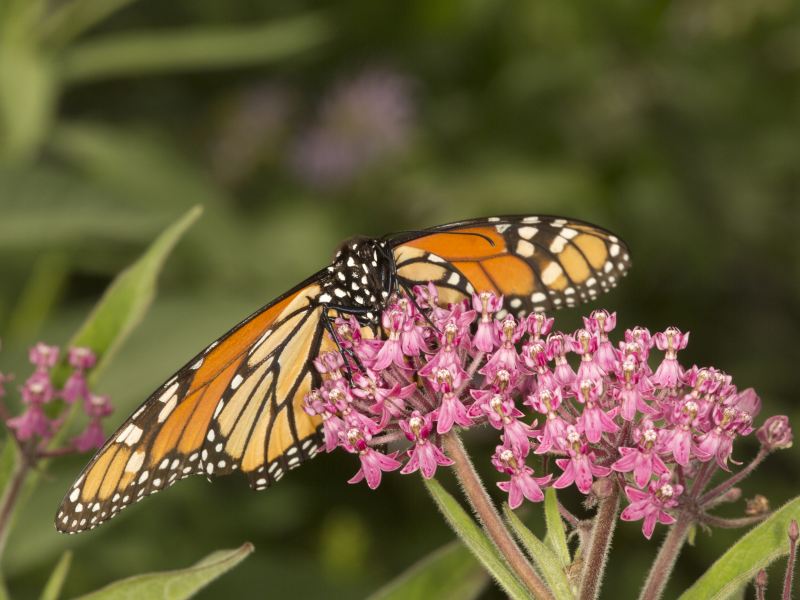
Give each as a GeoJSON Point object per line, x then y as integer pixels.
{"type": "Point", "coordinates": [361, 279]}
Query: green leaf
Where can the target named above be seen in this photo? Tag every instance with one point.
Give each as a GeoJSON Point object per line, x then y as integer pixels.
{"type": "Point", "coordinates": [8, 462]}
{"type": "Point", "coordinates": [27, 99]}
{"type": "Point", "coordinates": [547, 561]}
{"type": "Point", "coordinates": [449, 573]}
{"type": "Point", "coordinates": [173, 585]}
{"type": "Point", "coordinates": [556, 536]}
{"type": "Point", "coordinates": [52, 591]}
{"type": "Point", "coordinates": [193, 49]}
{"type": "Point", "coordinates": [68, 20]}
{"type": "Point", "coordinates": [475, 540]}
{"type": "Point", "coordinates": [125, 301]}
{"type": "Point", "coordinates": [754, 551]}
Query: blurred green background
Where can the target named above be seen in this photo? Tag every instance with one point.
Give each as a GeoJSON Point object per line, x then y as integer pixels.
{"type": "Point", "coordinates": [297, 124]}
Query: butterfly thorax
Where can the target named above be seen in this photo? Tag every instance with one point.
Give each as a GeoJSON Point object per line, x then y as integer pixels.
{"type": "Point", "coordinates": [360, 279]}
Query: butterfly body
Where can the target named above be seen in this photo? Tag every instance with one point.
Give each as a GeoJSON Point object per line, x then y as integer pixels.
{"type": "Point", "coordinates": [238, 404]}
{"type": "Point", "coordinates": [360, 280]}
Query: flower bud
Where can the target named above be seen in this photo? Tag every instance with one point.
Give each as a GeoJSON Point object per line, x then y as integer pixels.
{"type": "Point", "coordinates": [775, 433]}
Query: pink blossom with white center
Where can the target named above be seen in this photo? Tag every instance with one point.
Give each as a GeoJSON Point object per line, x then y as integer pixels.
{"type": "Point", "coordinates": [487, 337]}
{"type": "Point", "coordinates": [522, 483]}
{"type": "Point", "coordinates": [32, 423]}
{"type": "Point", "coordinates": [43, 357]}
{"type": "Point", "coordinates": [581, 467]}
{"type": "Point", "coordinates": [506, 356]}
{"type": "Point", "coordinates": [652, 505]}
{"type": "Point", "coordinates": [601, 322]}
{"type": "Point", "coordinates": [593, 420]}
{"type": "Point", "coordinates": [373, 463]}
{"type": "Point", "coordinates": [669, 372]}
{"type": "Point", "coordinates": [585, 344]}
{"type": "Point", "coordinates": [632, 392]}
{"type": "Point", "coordinates": [558, 344]}
{"type": "Point", "coordinates": [538, 325]}
{"type": "Point", "coordinates": [643, 460]}
{"type": "Point", "coordinates": [424, 455]}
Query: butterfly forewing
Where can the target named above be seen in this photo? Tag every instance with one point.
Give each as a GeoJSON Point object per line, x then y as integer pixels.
{"type": "Point", "coordinates": [537, 263]}
{"type": "Point", "coordinates": [236, 406]}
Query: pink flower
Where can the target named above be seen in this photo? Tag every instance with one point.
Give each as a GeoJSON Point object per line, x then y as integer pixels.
{"type": "Point", "coordinates": [75, 388]}
{"type": "Point", "coordinates": [669, 372]}
{"type": "Point", "coordinates": [487, 337]}
{"type": "Point", "coordinates": [33, 422]}
{"type": "Point", "coordinates": [601, 322]}
{"type": "Point", "coordinates": [580, 468]}
{"type": "Point", "coordinates": [775, 433]}
{"type": "Point", "coordinates": [538, 325]}
{"type": "Point", "coordinates": [43, 356]}
{"type": "Point", "coordinates": [652, 505]}
{"type": "Point", "coordinates": [92, 437]}
{"type": "Point", "coordinates": [451, 412]}
{"type": "Point", "coordinates": [373, 463]}
{"type": "Point", "coordinates": [82, 359]}
{"type": "Point", "coordinates": [642, 460]}
{"type": "Point", "coordinates": [522, 483]}
{"type": "Point", "coordinates": [424, 455]}
{"type": "Point", "coordinates": [391, 352]}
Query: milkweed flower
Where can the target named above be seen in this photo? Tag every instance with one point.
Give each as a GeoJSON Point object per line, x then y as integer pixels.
{"type": "Point", "coordinates": [39, 391]}
{"type": "Point", "coordinates": [432, 371]}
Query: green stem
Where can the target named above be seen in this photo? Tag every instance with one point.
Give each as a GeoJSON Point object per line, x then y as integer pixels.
{"type": "Point", "coordinates": [11, 497]}
{"type": "Point", "coordinates": [489, 517]}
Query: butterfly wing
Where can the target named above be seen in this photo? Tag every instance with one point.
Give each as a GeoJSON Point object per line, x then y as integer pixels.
{"type": "Point", "coordinates": [236, 406]}
{"type": "Point", "coordinates": [538, 263]}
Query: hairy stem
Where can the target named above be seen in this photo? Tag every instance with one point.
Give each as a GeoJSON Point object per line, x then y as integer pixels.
{"type": "Point", "coordinates": [723, 523]}
{"type": "Point", "coordinates": [665, 560]}
{"type": "Point", "coordinates": [489, 517]}
{"type": "Point", "coordinates": [734, 479]}
{"type": "Point", "coordinates": [599, 544]}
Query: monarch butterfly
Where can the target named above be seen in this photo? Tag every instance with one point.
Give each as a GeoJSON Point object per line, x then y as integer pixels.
{"type": "Point", "coordinates": [237, 406]}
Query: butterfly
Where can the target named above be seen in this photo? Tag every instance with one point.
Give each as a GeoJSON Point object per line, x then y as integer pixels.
{"type": "Point", "coordinates": [237, 406]}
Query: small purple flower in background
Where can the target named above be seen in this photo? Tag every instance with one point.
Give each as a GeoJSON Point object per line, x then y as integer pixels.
{"type": "Point", "coordinates": [435, 371]}
{"type": "Point", "coordinates": [251, 132]}
{"type": "Point", "coordinates": [38, 391]}
{"type": "Point", "coordinates": [362, 122]}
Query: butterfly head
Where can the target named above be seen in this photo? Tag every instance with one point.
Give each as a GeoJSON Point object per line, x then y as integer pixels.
{"type": "Point", "coordinates": [361, 279]}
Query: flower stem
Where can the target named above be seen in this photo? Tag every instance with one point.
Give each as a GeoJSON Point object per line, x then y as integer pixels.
{"type": "Point", "coordinates": [489, 517]}
{"type": "Point", "coordinates": [665, 560]}
{"type": "Point", "coordinates": [11, 497]}
{"type": "Point", "coordinates": [734, 479]}
{"type": "Point", "coordinates": [597, 552]}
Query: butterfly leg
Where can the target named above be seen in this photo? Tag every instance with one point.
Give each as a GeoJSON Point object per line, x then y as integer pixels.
{"type": "Point", "coordinates": [346, 352]}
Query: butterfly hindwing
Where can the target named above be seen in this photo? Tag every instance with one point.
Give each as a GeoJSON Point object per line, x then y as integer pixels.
{"type": "Point", "coordinates": [537, 263]}
{"type": "Point", "coordinates": [235, 406]}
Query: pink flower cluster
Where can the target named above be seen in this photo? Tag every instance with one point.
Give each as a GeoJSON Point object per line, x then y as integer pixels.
{"type": "Point", "coordinates": [601, 408]}
{"type": "Point", "coordinates": [38, 391]}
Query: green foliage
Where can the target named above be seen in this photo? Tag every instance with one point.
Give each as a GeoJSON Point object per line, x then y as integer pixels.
{"type": "Point", "coordinates": [474, 539]}
{"type": "Point", "coordinates": [174, 585]}
{"type": "Point", "coordinates": [124, 303]}
{"type": "Point", "coordinates": [556, 536]}
{"type": "Point", "coordinates": [193, 49]}
{"type": "Point", "coordinates": [449, 573]}
{"type": "Point", "coordinates": [52, 591]}
{"type": "Point", "coordinates": [754, 551]}
{"type": "Point", "coordinates": [547, 561]}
